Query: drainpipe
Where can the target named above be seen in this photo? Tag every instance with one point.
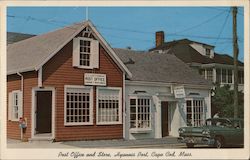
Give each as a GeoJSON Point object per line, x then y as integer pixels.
{"type": "Point", "coordinates": [40, 77]}
{"type": "Point", "coordinates": [18, 73]}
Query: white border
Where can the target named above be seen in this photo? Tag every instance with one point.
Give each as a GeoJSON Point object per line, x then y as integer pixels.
{"type": "Point", "coordinates": [7, 153]}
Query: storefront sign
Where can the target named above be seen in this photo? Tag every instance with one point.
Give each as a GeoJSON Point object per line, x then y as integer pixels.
{"type": "Point", "coordinates": [95, 79]}
{"type": "Point", "coordinates": [179, 92]}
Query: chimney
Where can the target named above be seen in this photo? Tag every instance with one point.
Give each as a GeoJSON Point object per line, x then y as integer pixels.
{"type": "Point", "coordinates": [159, 38]}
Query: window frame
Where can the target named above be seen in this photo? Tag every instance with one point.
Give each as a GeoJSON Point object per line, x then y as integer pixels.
{"type": "Point", "coordinates": [19, 105]}
{"type": "Point", "coordinates": [89, 53]}
{"type": "Point", "coordinates": [136, 97]}
{"type": "Point", "coordinates": [119, 103]}
{"type": "Point", "coordinates": [93, 54]}
{"type": "Point", "coordinates": [227, 77]}
{"type": "Point", "coordinates": [193, 114]}
{"type": "Point", "coordinates": [90, 88]}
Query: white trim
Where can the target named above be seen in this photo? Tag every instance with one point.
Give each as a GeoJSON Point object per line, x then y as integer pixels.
{"type": "Point", "coordinates": [91, 99]}
{"type": "Point", "coordinates": [192, 99]}
{"type": "Point", "coordinates": [110, 50]}
{"type": "Point", "coordinates": [162, 84]}
{"type": "Point", "coordinates": [218, 65]}
{"type": "Point", "coordinates": [22, 86]}
{"type": "Point", "coordinates": [123, 106]}
{"type": "Point", "coordinates": [33, 109]}
{"type": "Point", "coordinates": [140, 130]}
{"type": "Point", "coordinates": [19, 105]}
{"type": "Point", "coordinates": [40, 77]}
{"type": "Point", "coordinates": [61, 46]}
{"type": "Point", "coordinates": [120, 105]}
{"type": "Point", "coordinates": [101, 40]}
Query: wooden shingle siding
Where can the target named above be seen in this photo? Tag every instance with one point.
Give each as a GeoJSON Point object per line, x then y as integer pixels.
{"type": "Point", "coordinates": [58, 71]}
{"type": "Point", "coordinates": [14, 83]}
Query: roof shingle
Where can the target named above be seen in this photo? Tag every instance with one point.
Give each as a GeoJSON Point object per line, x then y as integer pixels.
{"type": "Point", "coordinates": [156, 67]}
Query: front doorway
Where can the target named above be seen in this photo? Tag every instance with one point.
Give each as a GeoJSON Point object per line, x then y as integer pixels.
{"type": "Point", "coordinates": [164, 119]}
{"type": "Point", "coordinates": [43, 113]}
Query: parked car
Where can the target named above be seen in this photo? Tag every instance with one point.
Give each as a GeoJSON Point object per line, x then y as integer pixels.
{"type": "Point", "coordinates": [217, 132]}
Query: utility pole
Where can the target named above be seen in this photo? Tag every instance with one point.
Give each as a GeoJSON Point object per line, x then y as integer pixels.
{"type": "Point", "coordinates": [236, 52]}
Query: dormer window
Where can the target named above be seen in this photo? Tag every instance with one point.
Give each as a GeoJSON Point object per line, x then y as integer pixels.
{"type": "Point", "coordinates": [85, 53]}
{"type": "Point", "coordinates": [208, 52]}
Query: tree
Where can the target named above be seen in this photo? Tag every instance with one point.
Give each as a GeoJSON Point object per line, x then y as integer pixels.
{"type": "Point", "coordinates": [223, 101]}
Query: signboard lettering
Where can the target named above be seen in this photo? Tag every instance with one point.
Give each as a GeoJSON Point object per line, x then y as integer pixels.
{"type": "Point", "coordinates": [179, 92]}
{"type": "Point", "coordinates": [95, 79]}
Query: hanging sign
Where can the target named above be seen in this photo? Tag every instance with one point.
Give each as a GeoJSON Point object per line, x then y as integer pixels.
{"type": "Point", "coordinates": [95, 79]}
{"type": "Point", "coordinates": [179, 92]}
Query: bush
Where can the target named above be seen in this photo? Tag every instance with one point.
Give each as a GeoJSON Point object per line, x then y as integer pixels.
{"type": "Point", "coordinates": [223, 101]}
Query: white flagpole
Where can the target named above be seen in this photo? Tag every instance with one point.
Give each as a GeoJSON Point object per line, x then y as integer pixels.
{"type": "Point", "coordinates": [87, 14]}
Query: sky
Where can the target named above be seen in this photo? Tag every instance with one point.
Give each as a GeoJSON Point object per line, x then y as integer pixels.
{"type": "Point", "coordinates": [135, 27]}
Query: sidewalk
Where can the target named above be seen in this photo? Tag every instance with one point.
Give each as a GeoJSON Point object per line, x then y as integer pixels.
{"type": "Point", "coordinates": [120, 143]}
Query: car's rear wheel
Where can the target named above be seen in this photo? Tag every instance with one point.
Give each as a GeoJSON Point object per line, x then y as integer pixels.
{"type": "Point", "coordinates": [218, 142]}
{"type": "Point", "coordinates": [190, 145]}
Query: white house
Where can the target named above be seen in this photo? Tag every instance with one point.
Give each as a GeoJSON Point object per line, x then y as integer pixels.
{"type": "Point", "coordinates": [162, 95]}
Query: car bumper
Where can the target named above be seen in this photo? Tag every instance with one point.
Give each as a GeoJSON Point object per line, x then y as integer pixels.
{"type": "Point", "coordinates": [196, 140]}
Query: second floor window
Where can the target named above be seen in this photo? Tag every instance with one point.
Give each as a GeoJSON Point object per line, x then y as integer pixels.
{"type": "Point", "coordinates": [208, 52]}
{"type": "Point", "coordinates": [85, 53]}
{"type": "Point", "coordinates": [224, 76]}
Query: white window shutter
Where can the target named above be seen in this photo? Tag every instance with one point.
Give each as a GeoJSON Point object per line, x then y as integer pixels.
{"type": "Point", "coordinates": [94, 54]}
{"type": "Point", "coordinates": [20, 104]}
{"type": "Point", "coordinates": [76, 52]}
{"type": "Point", "coordinates": [10, 106]}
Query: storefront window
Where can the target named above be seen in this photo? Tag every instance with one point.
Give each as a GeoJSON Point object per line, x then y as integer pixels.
{"type": "Point", "coordinates": [109, 105]}
{"type": "Point", "coordinates": [140, 113]}
{"type": "Point", "coordinates": [195, 112]}
{"type": "Point", "coordinates": [78, 105]}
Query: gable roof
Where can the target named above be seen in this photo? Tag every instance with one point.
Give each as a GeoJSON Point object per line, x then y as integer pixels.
{"type": "Point", "coordinates": [182, 49]}
{"type": "Point", "coordinates": [156, 67]}
{"type": "Point", "coordinates": [13, 37]}
{"type": "Point", "coordinates": [31, 54]}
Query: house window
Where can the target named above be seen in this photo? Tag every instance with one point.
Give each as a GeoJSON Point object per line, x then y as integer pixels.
{"type": "Point", "coordinates": [202, 73]}
{"type": "Point", "coordinates": [195, 112]}
{"type": "Point", "coordinates": [241, 77]}
{"type": "Point", "coordinates": [78, 105]}
{"type": "Point", "coordinates": [208, 52]}
{"type": "Point", "coordinates": [109, 106]}
{"type": "Point", "coordinates": [209, 74]}
{"type": "Point", "coordinates": [15, 105]}
{"type": "Point", "coordinates": [85, 53]}
{"type": "Point", "coordinates": [224, 76]}
{"type": "Point", "coordinates": [140, 111]}
{"type": "Point", "coordinates": [218, 75]}
{"type": "Point", "coordinates": [229, 76]}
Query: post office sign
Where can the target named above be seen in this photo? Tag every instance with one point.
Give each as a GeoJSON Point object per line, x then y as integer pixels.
{"type": "Point", "coordinates": [95, 79]}
{"type": "Point", "coordinates": [179, 92]}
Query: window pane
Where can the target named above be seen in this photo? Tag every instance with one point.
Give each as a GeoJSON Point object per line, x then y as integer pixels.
{"type": "Point", "coordinates": [140, 113]}
{"type": "Point", "coordinates": [224, 76]}
{"type": "Point", "coordinates": [75, 106]}
{"type": "Point", "coordinates": [218, 75]}
{"type": "Point", "coordinates": [108, 105]}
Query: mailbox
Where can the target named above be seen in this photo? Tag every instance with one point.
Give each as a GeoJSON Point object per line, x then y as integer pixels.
{"type": "Point", "coordinates": [22, 123]}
